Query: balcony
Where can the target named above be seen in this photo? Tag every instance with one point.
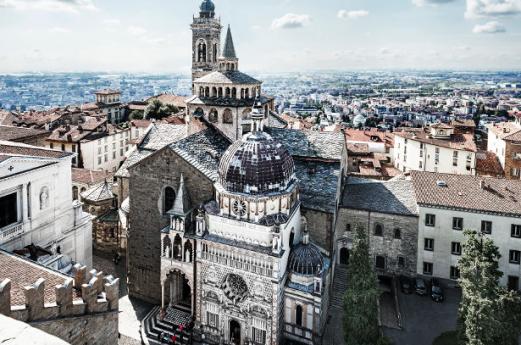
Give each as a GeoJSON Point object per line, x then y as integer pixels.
{"type": "Point", "coordinates": [11, 231]}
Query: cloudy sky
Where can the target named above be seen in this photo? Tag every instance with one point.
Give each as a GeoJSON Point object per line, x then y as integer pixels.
{"type": "Point", "coordinates": [270, 35]}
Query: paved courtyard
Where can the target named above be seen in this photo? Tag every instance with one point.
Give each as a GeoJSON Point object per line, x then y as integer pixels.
{"type": "Point", "coordinates": [131, 311]}
{"type": "Point", "coordinates": [423, 320]}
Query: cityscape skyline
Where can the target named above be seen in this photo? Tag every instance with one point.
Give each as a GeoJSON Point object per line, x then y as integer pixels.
{"type": "Point", "coordinates": [91, 36]}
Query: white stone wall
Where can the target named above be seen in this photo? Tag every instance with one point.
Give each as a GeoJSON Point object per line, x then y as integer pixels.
{"type": "Point", "coordinates": [443, 235]}
{"type": "Point", "coordinates": [496, 145]}
{"type": "Point", "coordinates": [113, 146]}
{"type": "Point", "coordinates": [410, 158]}
{"type": "Point", "coordinates": [48, 221]}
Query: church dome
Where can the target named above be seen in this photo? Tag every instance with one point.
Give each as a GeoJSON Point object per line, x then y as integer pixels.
{"type": "Point", "coordinates": [207, 6]}
{"type": "Point", "coordinates": [256, 164]}
{"type": "Point", "coordinates": [306, 259]}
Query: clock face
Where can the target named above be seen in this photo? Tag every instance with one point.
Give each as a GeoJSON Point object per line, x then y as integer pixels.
{"type": "Point", "coordinates": [239, 208]}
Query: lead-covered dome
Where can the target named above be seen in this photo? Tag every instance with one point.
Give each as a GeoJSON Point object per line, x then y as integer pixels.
{"type": "Point", "coordinates": [256, 164]}
{"type": "Point", "coordinates": [306, 259]}
{"type": "Point", "coordinates": [207, 6]}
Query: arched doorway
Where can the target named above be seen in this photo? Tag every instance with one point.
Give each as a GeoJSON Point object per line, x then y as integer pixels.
{"type": "Point", "coordinates": [235, 332]}
{"type": "Point", "coordinates": [344, 256]}
{"type": "Point", "coordinates": [180, 291]}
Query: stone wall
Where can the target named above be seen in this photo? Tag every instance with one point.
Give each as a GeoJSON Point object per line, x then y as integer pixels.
{"type": "Point", "coordinates": [147, 182]}
{"type": "Point", "coordinates": [320, 227]}
{"type": "Point", "coordinates": [99, 329]}
{"type": "Point", "coordinates": [387, 245]}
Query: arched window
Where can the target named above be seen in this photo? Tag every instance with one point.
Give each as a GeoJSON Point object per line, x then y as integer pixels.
{"type": "Point", "coordinates": [228, 92]}
{"type": "Point", "coordinates": [397, 234]}
{"type": "Point", "coordinates": [177, 247]}
{"type": "Point", "coordinates": [74, 193]}
{"type": "Point", "coordinates": [167, 247]}
{"type": "Point", "coordinates": [378, 230]}
{"type": "Point", "coordinates": [207, 92]}
{"type": "Point", "coordinates": [201, 91]}
{"type": "Point", "coordinates": [247, 93]}
{"type": "Point", "coordinates": [188, 251]}
{"type": "Point", "coordinates": [215, 52]}
{"type": "Point", "coordinates": [234, 92]}
{"type": "Point", "coordinates": [213, 116]}
{"type": "Point", "coordinates": [201, 53]}
{"type": "Point", "coordinates": [220, 92]}
{"type": "Point", "coordinates": [214, 92]}
{"type": "Point", "coordinates": [246, 114]}
{"type": "Point", "coordinates": [298, 315]}
{"type": "Point", "coordinates": [227, 116]}
{"type": "Point", "coordinates": [168, 199]}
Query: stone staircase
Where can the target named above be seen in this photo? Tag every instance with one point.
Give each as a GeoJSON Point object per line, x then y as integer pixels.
{"type": "Point", "coordinates": [339, 287]}
{"type": "Point", "coordinates": [152, 326]}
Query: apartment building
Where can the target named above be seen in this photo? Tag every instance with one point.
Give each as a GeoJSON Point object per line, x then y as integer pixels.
{"type": "Point", "coordinates": [449, 204]}
{"type": "Point", "coordinates": [438, 148]}
{"type": "Point", "coordinates": [504, 140]}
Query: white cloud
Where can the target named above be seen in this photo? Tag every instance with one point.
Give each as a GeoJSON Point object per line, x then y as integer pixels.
{"type": "Point", "coordinates": [291, 21]}
{"type": "Point", "coordinates": [421, 3]}
{"type": "Point", "coordinates": [59, 30]}
{"type": "Point", "coordinates": [489, 28]}
{"type": "Point", "coordinates": [73, 6]}
{"type": "Point", "coordinates": [344, 14]}
{"type": "Point", "coordinates": [136, 30]}
{"type": "Point", "coordinates": [112, 22]}
{"type": "Point", "coordinates": [487, 8]}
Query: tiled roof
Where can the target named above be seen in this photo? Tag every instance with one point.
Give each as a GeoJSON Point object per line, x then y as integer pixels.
{"type": "Point", "coordinates": [228, 77]}
{"type": "Point", "coordinates": [276, 121]}
{"type": "Point", "coordinates": [310, 144]}
{"type": "Point", "coordinates": [178, 101]}
{"type": "Point", "coordinates": [357, 149]}
{"type": "Point", "coordinates": [135, 157]}
{"type": "Point", "coordinates": [506, 130]}
{"type": "Point", "coordinates": [99, 192]}
{"type": "Point", "coordinates": [463, 123]}
{"type": "Point", "coordinates": [318, 184]}
{"type": "Point", "coordinates": [456, 141]}
{"type": "Point", "coordinates": [89, 177]}
{"type": "Point", "coordinates": [372, 135]}
{"type": "Point", "coordinates": [15, 149]}
{"type": "Point", "coordinates": [77, 133]}
{"type": "Point", "coordinates": [140, 123]}
{"type": "Point", "coordinates": [227, 102]}
{"type": "Point", "coordinates": [203, 150]}
{"type": "Point", "coordinates": [395, 196]}
{"type": "Point", "coordinates": [161, 135]}
{"type": "Point", "coordinates": [18, 133]}
{"type": "Point", "coordinates": [23, 273]}
{"type": "Point", "coordinates": [465, 192]}
{"type": "Point", "coordinates": [487, 163]}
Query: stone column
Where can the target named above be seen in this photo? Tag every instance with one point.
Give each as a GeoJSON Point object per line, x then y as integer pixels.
{"type": "Point", "coordinates": [162, 294]}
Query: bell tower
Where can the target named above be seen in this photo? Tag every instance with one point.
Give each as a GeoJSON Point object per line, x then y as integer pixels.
{"type": "Point", "coordinates": [206, 41]}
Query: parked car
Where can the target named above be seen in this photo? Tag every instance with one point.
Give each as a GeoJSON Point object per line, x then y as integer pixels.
{"type": "Point", "coordinates": [420, 287]}
{"type": "Point", "coordinates": [436, 291]}
{"type": "Point", "coordinates": [406, 284]}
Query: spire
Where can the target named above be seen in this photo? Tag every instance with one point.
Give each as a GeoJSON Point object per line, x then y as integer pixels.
{"type": "Point", "coordinates": [229, 48]}
{"type": "Point", "coordinates": [182, 203]}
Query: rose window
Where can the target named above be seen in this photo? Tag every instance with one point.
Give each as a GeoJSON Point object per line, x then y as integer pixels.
{"type": "Point", "coordinates": [239, 208]}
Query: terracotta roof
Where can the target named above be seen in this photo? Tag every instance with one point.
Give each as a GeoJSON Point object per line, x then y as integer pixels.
{"type": "Point", "coordinates": [465, 192]}
{"type": "Point", "coordinates": [357, 148]}
{"type": "Point", "coordinates": [76, 133]}
{"type": "Point", "coordinates": [488, 164]}
{"type": "Point", "coordinates": [372, 135]}
{"type": "Point", "coordinates": [456, 142]}
{"type": "Point", "coordinates": [140, 123]}
{"type": "Point", "coordinates": [89, 177]}
{"type": "Point", "coordinates": [463, 123]}
{"type": "Point", "coordinates": [19, 133]}
{"type": "Point", "coordinates": [174, 120]}
{"type": "Point", "coordinates": [178, 101]}
{"type": "Point", "coordinates": [13, 149]}
{"type": "Point", "coordinates": [23, 272]}
{"type": "Point", "coordinates": [442, 125]}
{"type": "Point", "coordinates": [506, 130]}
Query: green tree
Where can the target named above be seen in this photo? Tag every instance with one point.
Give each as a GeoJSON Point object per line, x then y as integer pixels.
{"type": "Point", "coordinates": [157, 110]}
{"type": "Point", "coordinates": [360, 299]}
{"type": "Point", "coordinates": [488, 313]}
{"type": "Point", "coordinates": [136, 115]}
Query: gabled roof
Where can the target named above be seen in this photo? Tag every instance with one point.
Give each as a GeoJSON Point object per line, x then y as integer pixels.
{"type": "Point", "coordinates": [88, 177]}
{"type": "Point", "coordinates": [468, 192]}
{"type": "Point", "coordinates": [161, 134]}
{"type": "Point", "coordinates": [19, 133]}
{"type": "Point", "coordinates": [18, 149]}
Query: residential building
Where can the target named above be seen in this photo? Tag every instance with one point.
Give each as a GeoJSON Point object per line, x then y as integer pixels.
{"type": "Point", "coordinates": [438, 148]}
{"type": "Point", "coordinates": [29, 136]}
{"type": "Point", "coordinates": [37, 205]}
{"type": "Point", "coordinates": [449, 204]}
{"type": "Point", "coordinates": [504, 140]}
